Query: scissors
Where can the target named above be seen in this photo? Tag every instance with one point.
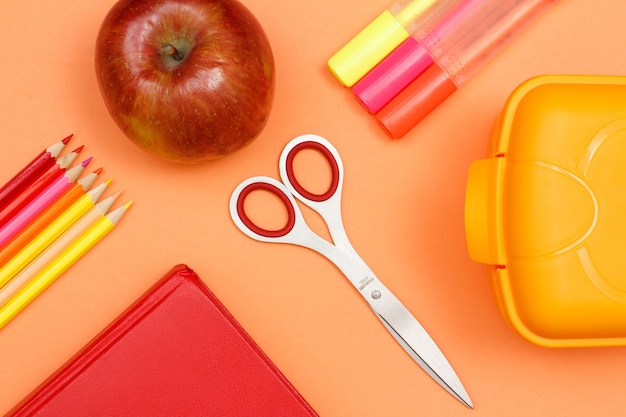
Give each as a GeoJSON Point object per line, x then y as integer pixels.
{"type": "Point", "coordinates": [396, 318]}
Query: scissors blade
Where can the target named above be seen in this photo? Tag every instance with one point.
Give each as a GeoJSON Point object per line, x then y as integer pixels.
{"type": "Point", "coordinates": [396, 318]}
{"type": "Point", "coordinates": [410, 334]}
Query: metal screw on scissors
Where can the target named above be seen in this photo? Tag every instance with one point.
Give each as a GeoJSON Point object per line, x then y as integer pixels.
{"type": "Point", "coordinates": [392, 313]}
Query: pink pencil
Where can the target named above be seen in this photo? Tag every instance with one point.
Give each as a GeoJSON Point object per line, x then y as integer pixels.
{"type": "Point", "coordinates": [59, 245]}
{"type": "Point", "coordinates": [40, 202]}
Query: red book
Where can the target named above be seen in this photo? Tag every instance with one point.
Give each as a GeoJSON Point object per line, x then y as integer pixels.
{"type": "Point", "coordinates": [176, 352]}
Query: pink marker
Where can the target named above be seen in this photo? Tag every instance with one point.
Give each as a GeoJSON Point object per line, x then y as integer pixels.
{"type": "Point", "coordinates": [483, 26]}
{"type": "Point", "coordinates": [40, 202]}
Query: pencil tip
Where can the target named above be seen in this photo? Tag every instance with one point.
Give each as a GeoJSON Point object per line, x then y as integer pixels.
{"type": "Point", "coordinates": [98, 171]}
{"type": "Point", "coordinates": [77, 150]}
{"type": "Point", "coordinates": [87, 161]}
{"type": "Point", "coordinates": [128, 204]}
{"type": "Point", "coordinates": [108, 181]}
{"type": "Point", "coordinates": [117, 214]}
{"type": "Point", "coordinates": [67, 139]}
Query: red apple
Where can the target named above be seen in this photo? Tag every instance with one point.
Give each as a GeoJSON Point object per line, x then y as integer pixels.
{"type": "Point", "coordinates": [188, 80]}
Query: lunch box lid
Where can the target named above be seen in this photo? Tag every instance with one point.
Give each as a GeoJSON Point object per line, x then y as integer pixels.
{"type": "Point", "coordinates": [547, 210]}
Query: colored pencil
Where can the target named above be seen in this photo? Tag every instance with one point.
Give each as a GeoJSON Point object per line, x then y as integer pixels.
{"type": "Point", "coordinates": [39, 203]}
{"type": "Point", "coordinates": [76, 191]}
{"type": "Point", "coordinates": [60, 264]}
{"type": "Point", "coordinates": [32, 171]}
{"type": "Point", "coordinates": [78, 212]}
{"type": "Point", "coordinates": [19, 201]}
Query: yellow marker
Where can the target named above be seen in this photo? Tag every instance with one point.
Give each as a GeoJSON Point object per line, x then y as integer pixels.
{"type": "Point", "coordinates": [379, 38]}
{"type": "Point", "coordinates": [50, 233]}
{"type": "Point", "coordinates": [60, 264]}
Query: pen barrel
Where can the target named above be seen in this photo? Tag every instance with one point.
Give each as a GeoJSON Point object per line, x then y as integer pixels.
{"type": "Point", "coordinates": [416, 102]}
{"type": "Point", "coordinates": [458, 63]}
{"type": "Point", "coordinates": [366, 49]}
{"type": "Point", "coordinates": [445, 28]}
{"type": "Point", "coordinates": [460, 42]}
{"type": "Point", "coordinates": [388, 30]}
{"type": "Point", "coordinates": [412, 14]}
{"type": "Point", "coordinates": [449, 28]}
{"type": "Point", "coordinates": [462, 58]}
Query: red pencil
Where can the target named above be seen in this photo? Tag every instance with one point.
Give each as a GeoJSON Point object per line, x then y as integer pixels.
{"type": "Point", "coordinates": [18, 203]}
{"type": "Point", "coordinates": [31, 172]}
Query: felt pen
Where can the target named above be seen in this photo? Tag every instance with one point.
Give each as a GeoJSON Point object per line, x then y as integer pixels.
{"type": "Point", "coordinates": [380, 37]}
{"type": "Point", "coordinates": [413, 56]}
{"type": "Point", "coordinates": [475, 42]}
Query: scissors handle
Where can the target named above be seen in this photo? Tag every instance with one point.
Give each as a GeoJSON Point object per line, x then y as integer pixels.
{"type": "Point", "coordinates": [265, 184]}
{"type": "Point", "coordinates": [247, 225]}
{"type": "Point", "coordinates": [328, 151]}
{"type": "Point", "coordinates": [327, 204]}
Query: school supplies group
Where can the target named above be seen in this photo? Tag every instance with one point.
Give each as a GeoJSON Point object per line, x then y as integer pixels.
{"type": "Point", "coordinates": [49, 218]}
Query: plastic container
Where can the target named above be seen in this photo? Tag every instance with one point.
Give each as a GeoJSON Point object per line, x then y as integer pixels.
{"type": "Point", "coordinates": [547, 211]}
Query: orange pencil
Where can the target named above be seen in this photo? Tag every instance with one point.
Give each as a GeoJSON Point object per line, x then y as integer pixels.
{"type": "Point", "coordinates": [45, 218]}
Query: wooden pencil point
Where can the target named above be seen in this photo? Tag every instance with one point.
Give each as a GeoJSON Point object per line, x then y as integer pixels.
{"type": "Point", "coordinates": [87, 161]}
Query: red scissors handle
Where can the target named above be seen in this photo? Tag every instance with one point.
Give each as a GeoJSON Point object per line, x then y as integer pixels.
{"type": "Point", "coordinates": [280, 193]}
{"type": "Point", "coordinates": [327, 204]}
{"type": "Point", "coordinates": [332, 162]}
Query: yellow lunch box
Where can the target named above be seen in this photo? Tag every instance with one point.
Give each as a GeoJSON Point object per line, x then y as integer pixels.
{"type": "Point", "coordinates": [547, 210]}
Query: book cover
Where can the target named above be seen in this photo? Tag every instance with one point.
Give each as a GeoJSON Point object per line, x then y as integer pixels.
{"type": "Point", "coordinates": [177, 351]}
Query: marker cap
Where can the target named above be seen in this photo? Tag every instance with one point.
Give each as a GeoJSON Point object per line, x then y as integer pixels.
{"type": "Point", "coordinates": [415, 102]}
{"type": "Point", "coordinates": [407, 62]}
{"type": "Point", "coordinates": [367, 49]}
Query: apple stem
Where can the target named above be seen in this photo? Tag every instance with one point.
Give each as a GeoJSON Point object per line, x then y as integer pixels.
{"type": "Point", "coordinates": [169, 49]}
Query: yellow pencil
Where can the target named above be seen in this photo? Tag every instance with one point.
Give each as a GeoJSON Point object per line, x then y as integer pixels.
{"type": "Point", "coordinates": [60, 264]}
{"type": "Point", "coordinates": [59, 245]}
{"type": "Point", "coordinates": [50, 233]}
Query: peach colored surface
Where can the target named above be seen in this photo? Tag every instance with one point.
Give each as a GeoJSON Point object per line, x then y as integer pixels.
{"type": "Point", "coordinates": [403, 209]}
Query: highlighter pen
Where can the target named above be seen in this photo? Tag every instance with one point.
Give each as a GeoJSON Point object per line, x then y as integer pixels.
{"type": "Point", "coordinates": [380, 37]}
{"type": "Point", "coordinates": [459, 62]}
{"type": "Point", "coordinates": [413, 56]}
